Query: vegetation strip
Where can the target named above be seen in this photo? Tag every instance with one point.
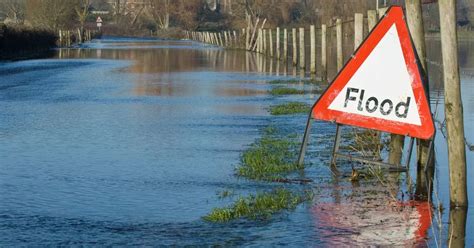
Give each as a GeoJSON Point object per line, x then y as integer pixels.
{"type": "Point", "coordinates": [269, 159]}
{"type": "Point", "coordinates": [278, 91]}
{"type": "Point", "coordinates": [294, 81]}
{"type": "Point", "coordinates": [259, 206]}
{"type": "Point", "coordinates": [290, 108]}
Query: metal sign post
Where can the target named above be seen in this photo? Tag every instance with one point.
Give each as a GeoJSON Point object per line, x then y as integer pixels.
{"type": "Point", "coordinates": [99, 22]}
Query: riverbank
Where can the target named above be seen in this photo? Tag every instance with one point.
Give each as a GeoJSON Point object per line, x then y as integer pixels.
{"type": "Point", "coordinates": [23, 43]}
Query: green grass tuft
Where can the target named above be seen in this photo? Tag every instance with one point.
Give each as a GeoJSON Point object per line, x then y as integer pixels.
{"type": "Point", "coordinates": [294, 81]}
{"type": "Point", "coordinates": [268, 159]}
{"type": "Point", "coordinates": [290, 108]}
{"type": "Point", "coordinates": [279, 91]}
{"type": "Point", "coordinates": [259, 206]}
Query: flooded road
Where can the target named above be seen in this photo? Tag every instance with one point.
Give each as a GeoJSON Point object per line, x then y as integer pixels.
{"type": "Point", "coordinates": [130, 141]}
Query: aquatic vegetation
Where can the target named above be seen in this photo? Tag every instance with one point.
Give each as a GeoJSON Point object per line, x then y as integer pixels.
{"type": "Point", "coordinates": [260, 206]}
{"type": "Point", "coordinates": [225, 193]}
{"type": "Point", "coordinates": [279, 91]}
{"type": "Point", "coordinates": [268, 159]}
{"type": "Point", "coordinates": [290, 108]}
{"type": "Point", "coordinates": [294, 81]}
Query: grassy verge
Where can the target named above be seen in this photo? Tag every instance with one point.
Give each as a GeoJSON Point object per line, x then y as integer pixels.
{"type": "Point", "coordinates": [279, 91]}
{"type": "Point", "coordinates": [290, 108]}
{"type": "Point", "coordinates": [259, 206]}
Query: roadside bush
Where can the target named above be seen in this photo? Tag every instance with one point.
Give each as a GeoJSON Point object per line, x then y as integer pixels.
{"type": "Point", "coordinates": [15, 39]}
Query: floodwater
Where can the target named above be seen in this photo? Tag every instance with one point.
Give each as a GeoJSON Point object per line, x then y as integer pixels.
{"type": "Point", "coordinates": [130, 141]}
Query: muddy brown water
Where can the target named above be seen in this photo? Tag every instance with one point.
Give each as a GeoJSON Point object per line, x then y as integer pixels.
{"type": "Point", "coordinates": [128, 142]}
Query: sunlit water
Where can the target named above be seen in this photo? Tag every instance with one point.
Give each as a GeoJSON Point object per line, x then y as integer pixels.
{"type": "Point", "coordinates": [128, 142]}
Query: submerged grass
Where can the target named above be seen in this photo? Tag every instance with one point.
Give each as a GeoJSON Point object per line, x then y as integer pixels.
{"type": "Point", "coordinates": [294, 81]}
{"type": "Point", "coordinates": [259, 206]}
{"type": "Point", "coordinates": [268, 159]}
{"type": "Point", "coordinates": [290, 108]}
{"type": "Point", "coordinates": [279, 91]}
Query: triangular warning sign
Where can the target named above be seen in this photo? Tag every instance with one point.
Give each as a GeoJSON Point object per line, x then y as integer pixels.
{"type": "Point", "coordinates": [98, 19]}
{"type": "Point", "coordinates": [381, 86]}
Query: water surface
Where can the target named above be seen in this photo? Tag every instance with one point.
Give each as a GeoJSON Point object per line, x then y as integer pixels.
{"type": "Point", "coordinates": [129, 141]}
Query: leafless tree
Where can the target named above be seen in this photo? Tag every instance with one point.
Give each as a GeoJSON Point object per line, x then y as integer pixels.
{"type": "Point", "coordinates": [160, 11]}
{"type": "Point", "coordinates": [14, 10]}
{"type": "Point", "coordinates": [51, 14]}
{"type": "Point", "coordinates": [82, 11]}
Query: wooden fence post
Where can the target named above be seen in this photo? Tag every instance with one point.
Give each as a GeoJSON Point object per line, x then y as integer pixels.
{"type": "Point", "coordinates": [259, 41]}
{"type": "Point", "coordinates": [265, 41]}
{"type": "Point", "coordinates": [278, 51]}
{"type": "Point", "coordinates": [247, 38]}
{"type": "Point", "coordinates": [60, 38]}
{"type": "Point", "coordinates": [358, 29]}
{"type": "Point", "coordinates": [221, 40]}
{"type": "Point", "coordinates": [285, 45]}
{"type": "Point", "coordinates": [302, 49]}
{"type": "Point", "coordinates": [236, 44]}
{"type": "Point", "coordinates": [457, 227]}
{"type": "Point", "coordinates": [227, 39]}
{"type": "Point", "coordinates": [313, 49]}
{"type": "Point", "coordinates": [324, 64]}
{"type": "Point", "coordinates": [340, 58]}
{"type": "Point", "coordinates": [415, 24]}
{"type": "Point", "coordinates": [252, 45]}
{"type": "Point", "coordinates": [270, 37]}
{"type": "Point", "coordinates": [453, 104]}
{"type": "Point", "coordinates": [371, 19]}
{"type": "Point", "coordinates": [295, 49]}
{"type": "Point", "coordinates": [382, 11]}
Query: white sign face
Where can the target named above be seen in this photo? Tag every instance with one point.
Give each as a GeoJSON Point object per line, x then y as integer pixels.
{"type": "Point", "coordinates": [386, 94]}
{"type": "Point", "coordinates": [99, 24]}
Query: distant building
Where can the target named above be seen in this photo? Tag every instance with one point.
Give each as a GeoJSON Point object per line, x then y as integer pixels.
{"type": "Point", "coordinates": [129, 4]}
{"type": "Point", "coordinates": [100, 12]}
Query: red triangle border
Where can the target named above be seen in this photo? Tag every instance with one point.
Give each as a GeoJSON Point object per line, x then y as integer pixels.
{"type": "Point", "coordinates": [321, 109]}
